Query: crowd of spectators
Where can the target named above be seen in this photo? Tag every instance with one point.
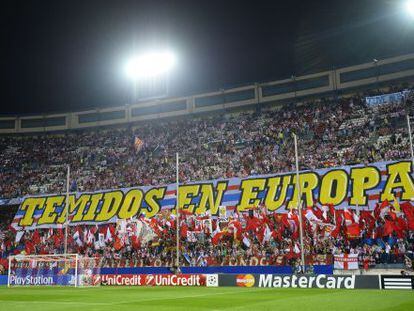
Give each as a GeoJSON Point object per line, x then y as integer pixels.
{"type": "Point", "coordinates": [332, 132]}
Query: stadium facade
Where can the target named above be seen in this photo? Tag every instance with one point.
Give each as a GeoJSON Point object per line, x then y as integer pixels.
{"type": "Point", "coordinates": [337, 82]}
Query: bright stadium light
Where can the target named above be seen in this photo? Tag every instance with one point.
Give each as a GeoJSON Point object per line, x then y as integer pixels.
{"type": "Point", "coordinates": [409, 6]}
{"type": "Point", "coordinates": [149, 65]}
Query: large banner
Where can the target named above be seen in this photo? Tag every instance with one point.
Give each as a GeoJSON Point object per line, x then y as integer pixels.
{"type": "Point", "coordinates": [387, 98]}
{"type": "Point", "coordinates": [360, 185]}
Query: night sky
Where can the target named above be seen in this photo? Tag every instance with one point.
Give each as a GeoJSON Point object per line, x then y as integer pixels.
{"type": "Point", "coordinates": [68, 55]}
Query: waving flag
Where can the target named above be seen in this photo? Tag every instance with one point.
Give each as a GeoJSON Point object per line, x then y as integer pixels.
{"type": "Point", "coordinates": [246, 241]}
{"type": "Point", "coordinates": [348, 217]}
{"type": "Point", "coordinates": [138, 144]}
{"type": "Point", "coordinates": [408, 210]}
{"type": "Point", "coordinates": [353, 230]}
{"type": "Point", "coordinates": [19, 236]}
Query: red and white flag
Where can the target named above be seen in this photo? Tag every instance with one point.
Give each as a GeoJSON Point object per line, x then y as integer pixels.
{"type": "Point", "coordinates": [346, 262]}
{"type": "Point", "coordinates": [76, 238]}
{"type": "Point", "coordinates": [90, 238]}
{"type": "Point", "coordinates": [19, 236]}
{"type": "Point", "coordinates": [348, 216]}
{"type": "Point", "coordinates": [267, 234]}
{"type": "Point", "coordinates": [311, 217]}
{"type": "Point", "coordinates": [191, 236]}
{"type": "Point", "coordinates": [246, 241]}
{"type": "Point", "coordinates": [108, 236]}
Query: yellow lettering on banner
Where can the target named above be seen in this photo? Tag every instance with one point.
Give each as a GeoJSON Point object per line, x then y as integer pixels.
{"type": "Point", "coordinates": [131, 204]}
{"type": "Point", "coordinates": [250, 189]}
{"type": "Point", "coordinates": [308, 182]}
{"type": "Point", "coordinates": [110, 206]}
{"type": "Point", "coordinates": [78, 206]}
{"type": "Point", "coordinates": [29, 205]}
{"type": "Point", "coordinates": [151, 198]}
{"type": "Point", "coordinates": [334, 187]}
{"type": "Point", "coordinates": [273, 185]}
{"type": "Point", "coordinates": [210, 198]}
{"type": "Point", "coordinates": [399, 176]}
{"type": "Point", "coordinates": [185, 196]}
{"type": "Point", "coordinates": [93, 205]}
{"type": "Point", "coordinates": [363, 179]}
{"type": "Point", "coordinates": [73, 204]}
{"type": "Point", "coordinates": [49, 215]}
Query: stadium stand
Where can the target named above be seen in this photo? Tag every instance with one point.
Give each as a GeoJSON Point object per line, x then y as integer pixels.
{"type": "Point", "coordinates": [221, 146]}
{"type": "Point", "coordinates": [332, 132]}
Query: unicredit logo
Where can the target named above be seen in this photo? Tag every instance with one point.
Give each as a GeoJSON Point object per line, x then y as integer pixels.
{"type": "Point", "coordinates": [118, 279]}
{"type": "Point", "coordinates": [175, 280]}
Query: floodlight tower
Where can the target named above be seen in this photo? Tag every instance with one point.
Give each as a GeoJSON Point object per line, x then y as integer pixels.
{"type": "Point", "coordinates": [149, 66]}
{"type": "Point", "coordinates": [409, 6]}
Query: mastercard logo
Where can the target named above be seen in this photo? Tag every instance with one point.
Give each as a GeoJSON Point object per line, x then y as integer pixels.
{"type": "Point", "coordinates": [245, 280]}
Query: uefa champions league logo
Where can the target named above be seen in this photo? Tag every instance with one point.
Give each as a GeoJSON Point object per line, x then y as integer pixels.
{"type": "Point", "coordinates": [212, 280]}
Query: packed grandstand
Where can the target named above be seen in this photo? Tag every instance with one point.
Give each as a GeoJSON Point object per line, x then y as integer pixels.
{"type": "Point", "coordinates": [333, 132]}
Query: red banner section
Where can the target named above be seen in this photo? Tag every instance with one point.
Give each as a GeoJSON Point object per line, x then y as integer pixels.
{"type": "Point", "coordinates": [156, 279]}
{"type": "Point", "coordinates": [227, 261]}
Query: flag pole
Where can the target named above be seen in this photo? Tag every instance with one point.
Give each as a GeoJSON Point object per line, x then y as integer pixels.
{"type": "Point", "coordinates": [177, 258]}
{"type": "Point", "coordinates": [67, 210]}
{"type": "Point", "coordinates": [302, 255]}
{"type": "Point", "coordinates": [410, 135]}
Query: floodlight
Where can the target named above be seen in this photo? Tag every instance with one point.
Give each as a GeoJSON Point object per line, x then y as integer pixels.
{"type": "Point", "coordinates": [149, 65]}
{"type": "Point", "coordinates": [409, 6]}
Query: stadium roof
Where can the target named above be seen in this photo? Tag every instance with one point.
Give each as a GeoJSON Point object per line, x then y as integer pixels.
{"type": "Point", "coordinates": [66, 56]}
